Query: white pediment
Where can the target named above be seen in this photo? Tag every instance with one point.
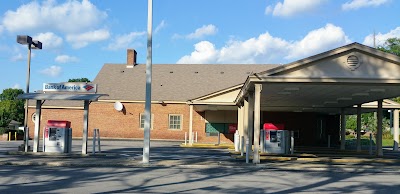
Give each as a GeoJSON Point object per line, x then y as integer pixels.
{"type": "Point", "coordinates": [224, 97]}
{"type": "Point", "coordinates": [352, 64]}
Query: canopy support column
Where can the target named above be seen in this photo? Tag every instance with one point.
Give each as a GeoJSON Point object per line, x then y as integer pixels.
{"type": "Point", "coordinates": [379, 151]}
{"type": "Point", "coordinates": [359, 128]}
{"type": "Point", "coordinates": [342, 130]}
{"type": "Point", "coordinates": [257, 104]}
{"type": "Point", "coordinates": [85, 126]}
{"type": "Point", "coordinates": [37, 125]}
{"type": "Point", "coordinates": [396, 130]}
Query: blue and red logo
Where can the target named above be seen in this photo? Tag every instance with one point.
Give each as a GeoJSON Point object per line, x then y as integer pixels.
{"type": "Point", "coordinates": [88, 87]}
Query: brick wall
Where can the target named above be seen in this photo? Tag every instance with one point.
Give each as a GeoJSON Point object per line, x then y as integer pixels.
{"type": "Point", "coordinates": [125, 124]}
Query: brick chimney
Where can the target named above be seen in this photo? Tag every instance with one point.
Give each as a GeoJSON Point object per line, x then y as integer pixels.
{"type": "Point", "coordinates": [130, 58]}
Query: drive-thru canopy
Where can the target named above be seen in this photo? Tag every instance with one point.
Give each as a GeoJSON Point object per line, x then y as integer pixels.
{"type": "Point", "coordinates": [333, 82]}
{"type": "Point", "coordinates": [41, 97]}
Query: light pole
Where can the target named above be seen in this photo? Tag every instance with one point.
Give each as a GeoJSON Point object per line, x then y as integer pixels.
{"type": "Point", "coordinates": [32, 44]}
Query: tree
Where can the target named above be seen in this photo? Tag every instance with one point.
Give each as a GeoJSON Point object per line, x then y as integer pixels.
{"type": "Point", "coordinates": [391, 45]}
{"type": "Point", "coordinates": [79, 80]}
{"type": "Point", "coordinates": [10, 94]}
{"type": "Point", "coordinates": [368, 122]}
{"type": "Point", "coordinates": [11, 108]}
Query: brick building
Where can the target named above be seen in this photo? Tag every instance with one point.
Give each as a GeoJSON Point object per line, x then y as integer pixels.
{"type": "Point", "coordinates": [309, 96]}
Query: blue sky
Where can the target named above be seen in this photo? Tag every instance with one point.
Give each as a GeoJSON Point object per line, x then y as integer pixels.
{"type": "Point", "coordinates": [79, 36]}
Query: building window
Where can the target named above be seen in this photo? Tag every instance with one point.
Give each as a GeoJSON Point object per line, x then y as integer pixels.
{"type": "Point", "coordinates": [142, 117]}
{"type": "Point", "coordinates": [175, 121]}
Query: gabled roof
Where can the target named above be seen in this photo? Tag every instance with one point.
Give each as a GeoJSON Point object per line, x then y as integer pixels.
{"type": "Point", "coordinates": [350, 47]}
{"type": "Point", "coordinates": [171, 82]}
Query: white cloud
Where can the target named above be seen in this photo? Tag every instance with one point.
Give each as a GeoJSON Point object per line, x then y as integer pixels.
{"type": "Point", "coordinates": [66, 59]}
{"type": "Point", "coordinates": [205, 52]}
{"type": "Point", "coordinates": [82, 40]}
{"type": "Point", "coordinates": [321, 39]}
{"type": "Point", "coordinates": [160, 26]}
{"type": "Point", "coordinates": [1, 29]}
{"type": "Point", "coordinates": [201, 32]}
{"type": "Point", "coordinates": [357, 4]}
{"type": "Point", "coordinates": [16, 86]}
{"type": "Point", "coordinates": [18, 57]}
{"type": "Point", "coordinates": [293, 7]}
{"type": "Point", "coordinates": [268, 49]}
{"type": "Point", "coordinates": [70, 17]}
{"type": "Point", "coordinates": [124, 41]}
{"type": "Point", "coordinates": [49, 40]}
{"type": "Point", "coordinates": [380, 38]}
{"type": "Point", "coordinates": [52, 71]}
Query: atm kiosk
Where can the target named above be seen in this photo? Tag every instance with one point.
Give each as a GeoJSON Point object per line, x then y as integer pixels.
{"type": "Point", "coordinates": [57, 136]}
{"type": "Point", "coordinates": [277, 139]}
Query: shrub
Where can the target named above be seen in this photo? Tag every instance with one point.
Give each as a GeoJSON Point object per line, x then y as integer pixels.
{"type": "Point", "coordinates": [386, 134]}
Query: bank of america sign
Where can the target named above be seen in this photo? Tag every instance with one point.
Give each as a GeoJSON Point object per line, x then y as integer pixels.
{"type": "Point", "coordinates": [70, 87]}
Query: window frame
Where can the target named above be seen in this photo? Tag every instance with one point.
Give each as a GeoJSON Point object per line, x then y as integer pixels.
{"type": "Point", "coordinates": [140, 121]}
{"type": "Point", "coordinates": [180, 123]}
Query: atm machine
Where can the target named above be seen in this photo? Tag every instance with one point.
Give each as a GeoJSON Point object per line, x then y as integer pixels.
{"type": "Point", "coordinates": [57, 136]}
{"type": "Point", "coordinates": [277, 139]}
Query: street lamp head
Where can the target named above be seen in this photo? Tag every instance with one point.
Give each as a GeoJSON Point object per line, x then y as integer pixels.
{"type": "Point", "coordinates": [36, 44]}
{"type": "Point", "coordinates": [24, 39]}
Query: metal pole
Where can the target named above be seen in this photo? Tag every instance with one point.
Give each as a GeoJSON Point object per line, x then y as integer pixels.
{"type": "Point", "coordinates": [219, 138]}
{"type": "Point", "coordinates": [236, 141]}
{"type": "Point", "coordinates": [94, 141]}
{"type": "Point", "coordinates": [292, 142]}
{"type": "Point", "coordinates": [191, 125]}
{"type": "Point", "coordinates": [146, 139]}
{"type": "Point", "coordinates": [85, 126]}
{"type": "Point", "coordinates": [242, 145]}
{"type": "Point", "coordinates": [247, 150]}
{"type": "Point", "coordinates": [370, 144]}
{"type": "Point", "coordinates": [98, 139]}
{"type": "Point", "coordinates": [396, 129]}
{"type": "Point", "coordinates": [185, 137]}
{"type": "Point", "coordinates": [329, 141]}
{"type": "Point", "coordinates": [28, 73]}
{"type": "Point", "coordinates": [192, 138]}
{"type": "Point", "coordinates": [196, 136]}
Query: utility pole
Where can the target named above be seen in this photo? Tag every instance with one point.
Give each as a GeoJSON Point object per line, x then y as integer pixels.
{"type": "Point", "coordinates": [147, 112]}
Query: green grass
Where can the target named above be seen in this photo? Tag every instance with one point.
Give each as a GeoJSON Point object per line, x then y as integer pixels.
{"type": "Point", "coordinates": [385, 142]}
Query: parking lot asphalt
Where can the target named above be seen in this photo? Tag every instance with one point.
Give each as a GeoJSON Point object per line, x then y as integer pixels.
{"type": "Point", "coordinates": [125, 153]}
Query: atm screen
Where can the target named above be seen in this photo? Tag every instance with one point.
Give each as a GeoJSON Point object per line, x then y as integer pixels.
{"type": "Point", "coordinates": [52, 134]}
{"type": "Point", "coordinates": [273, 136]}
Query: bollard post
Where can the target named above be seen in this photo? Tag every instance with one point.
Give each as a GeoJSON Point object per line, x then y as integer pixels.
{"type": "Point", "coordinates": [247, 150]}
{"type": "Point", "coordinates": [236, 141]}
{"type": "Point", "coordinates": [329, 141]}
{"type": "Point", "coordinates": [94, 141]}
{"type": "Point", "coordinates": [9, 136]}
{"type": "Point", "coordinates": [26, 138]}
{"type": "Point", "coordinates": [262, 138]}
{"type": "Point", "coordinates": [196, 136]}
{"type": "Point", "coordinates": [242, 145]}
{"type": "Point", "coordinates": [192, 140]}
{"type": "Point", "coordinates": [292, 142]}
{"type": "Point", "coordinates": [185, 137]}
{"type": "Point", "coordinates": [15, 136]}
{"type": "Point", "coordinates": [98, 140]}
{"type": "Point", "coordinates": [370, 144]}
{"type": "Point", "coordinates": [219, 138]}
